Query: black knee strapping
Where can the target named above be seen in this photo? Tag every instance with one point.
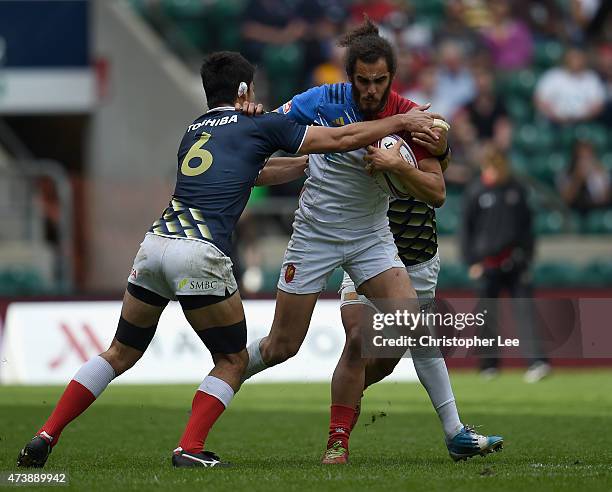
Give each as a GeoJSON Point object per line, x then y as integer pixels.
{"type": "Point", "coordinates": [200, 301]}
{"type": "Point", "coordinates": [134, 336]}
{"type": "Point", "coordinates": [225, 339]}
{"type": "Point", "coordinates": [147, 296]}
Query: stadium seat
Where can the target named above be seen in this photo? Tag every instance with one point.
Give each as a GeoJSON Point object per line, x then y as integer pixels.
{"type": "Point", "coordinates": [283, 65]}
{"type": "Point", "coordinates": [518, 84]}
{"type": "Point", "coordinates": [546, 167]}
{"type": "Point", "coordinates": [184, 9]}
{"type": "Point", "coordinates": [335, 280]}
{"type": "Point", "coordinates": [447, 217]}
{"type": "Point", "coordinates": [606, 160]}
{"type": "Point", "coordinates": [21, 281]}
{"type": "Point", "coordinates": [453, 275]}
{"type": "Point", "coordinates": [531, 138]}
{"type": "Point", "coordinates": [592, 132]}
{"type": "Point", "coordinates": [520, 109]}
{"type": "Point", "coordinates": [598, 222]}
{"type": "Point", "coordinates": [556, 274]}
{"type": "Point", "coordinates": [550, 222]}
{"type": "Point", "coordinates": [547, 54]}
{"type": "Point", "coordinates": [598, 273]}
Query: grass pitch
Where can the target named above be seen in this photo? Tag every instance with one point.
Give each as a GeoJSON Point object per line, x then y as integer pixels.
{"type": "Point", "coordinates": [557, 437]}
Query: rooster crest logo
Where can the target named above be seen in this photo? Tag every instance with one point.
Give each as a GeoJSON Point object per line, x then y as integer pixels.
{"type": "Point", "coordinates": [289, 272]}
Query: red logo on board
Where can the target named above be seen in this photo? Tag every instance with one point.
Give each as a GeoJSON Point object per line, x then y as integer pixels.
{"type": "Point", "coordinates": [289, 272]}
{"type": "Point", "coordinates": [84, 349]}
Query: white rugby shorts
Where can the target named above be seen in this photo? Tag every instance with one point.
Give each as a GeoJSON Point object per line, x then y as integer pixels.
{"type": "Point", "coordinates": [424, 278]}
{"type": "Point", "coordinates": [315, 250]}
{"type": "Point", "coordinates": [181, 266]}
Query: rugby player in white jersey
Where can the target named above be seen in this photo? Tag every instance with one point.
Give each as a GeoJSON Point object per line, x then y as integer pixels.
{"type": "Point", "coordinates": [342, 221]}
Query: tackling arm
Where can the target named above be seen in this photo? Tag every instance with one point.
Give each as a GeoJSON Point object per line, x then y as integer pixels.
{"type": "Point", "coordinates": [321, 139]}
{"type": "Point", "coordinates": [279, 170]}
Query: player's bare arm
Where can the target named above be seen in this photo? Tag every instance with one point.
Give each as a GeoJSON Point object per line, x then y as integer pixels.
{"type": "Point", "coordinates": [356, 135]}
{"type": "Point", "coordinates": [425, 183]}
{"type": "Point", "coordinates": [279, 170]}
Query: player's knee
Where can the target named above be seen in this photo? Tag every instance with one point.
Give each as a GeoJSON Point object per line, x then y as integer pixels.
{"type": "Point", "coordinates": [352, 346]}
{"type": "Point", "coordinates": [121, 357]}
{"type": "Point", "coordinates": [352, 319]}
{"type": "Point", "coordinates": [228, 341]}
{"type": "Point", "coordinates": [279, 350]}
{"type": "Point", "coordinates": [235, 363]}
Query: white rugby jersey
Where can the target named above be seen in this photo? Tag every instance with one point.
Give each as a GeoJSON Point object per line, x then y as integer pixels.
{"type": "Point", "coordinates": [338, 191]}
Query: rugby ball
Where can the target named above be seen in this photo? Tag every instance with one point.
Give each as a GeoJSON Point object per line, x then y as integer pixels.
{"type": "Point", "coordinates": [390, 182]}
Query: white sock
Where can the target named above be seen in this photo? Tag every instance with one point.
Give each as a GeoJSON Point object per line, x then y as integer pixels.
{"type": "Point", "coordinates": [433, 374]}
{"type": "Point", "coordinates": [256, 363]}
{"type": "Point", "coordinates": [450, 419]}
{"type": "Point", "coordinates": [95, 375]}
{"type": "Point", "coordinates": [218, 388]}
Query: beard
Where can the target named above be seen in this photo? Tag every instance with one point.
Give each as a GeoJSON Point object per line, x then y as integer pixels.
{"type": "Point", "coordinates": [370, 113]}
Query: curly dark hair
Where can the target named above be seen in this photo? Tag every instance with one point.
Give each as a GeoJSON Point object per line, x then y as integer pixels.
{"type": "Point", "coordinates": [366, 44]}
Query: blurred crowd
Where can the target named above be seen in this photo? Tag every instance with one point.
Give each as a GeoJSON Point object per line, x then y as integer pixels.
{"type": "Point", "coordinates": [459, 62]}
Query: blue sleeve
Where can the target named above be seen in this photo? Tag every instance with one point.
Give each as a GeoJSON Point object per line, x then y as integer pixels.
{"type": "Point", "coordinates": [280, 132]}
{"type": "Point", "coordinates": [304, 107]}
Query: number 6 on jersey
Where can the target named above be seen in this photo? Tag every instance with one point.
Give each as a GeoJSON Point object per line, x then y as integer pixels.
{"type": "Point", "coordinates": [196, 151]}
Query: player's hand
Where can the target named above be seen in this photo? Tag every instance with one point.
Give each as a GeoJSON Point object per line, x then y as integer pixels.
{"type": "Point", "coordinates": [434, 147]}
{"type": "Point", "coordinates": [249, 108]}
{"type": "Point", "coordinates": [383, 159]}
{"type": "Point", "coordinates": [417, 120]}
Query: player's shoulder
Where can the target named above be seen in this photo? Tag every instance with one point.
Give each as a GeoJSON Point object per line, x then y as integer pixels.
{"type": "Point", "coordinates": [270, 120]}
{"type": "Point", "coordinates": [397, 104]}
{"type": "Point", "coordinates": [339, 93]}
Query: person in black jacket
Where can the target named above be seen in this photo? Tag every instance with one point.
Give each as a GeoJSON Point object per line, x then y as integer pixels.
{"type": "Point", "coordinates": [497, 243]}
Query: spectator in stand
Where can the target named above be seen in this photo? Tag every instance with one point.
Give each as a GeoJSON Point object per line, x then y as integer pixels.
{"type": "Point", "coordinates": [591, 20]}
{"type": "Point", "coordinates": [508, 39]}
{"type": "Point", "coordinates": [487, 112]}
{"type": "Point", "coordinates": [331, 71]}
{"type": "Point", "coordinates": [571, 93]}
{"type": "Point", "coordinates": [323, 19]}
{"type": "Point", "coordinates": [409, 66]}
{"type": "Point", "coordinates": [586, 183]}
{"type": "Point", "coordinates": [544, 18]}
{"type": "Point", "coordinates": [269, 22]}
{"type": "Point", "coordinates": [425, 90]}
{"type": "Point", "coordinates": [465, 144]}
{"type": "Point", "coordinates": [455, 30]}
{"type": "Point", "coordinates": [497, 242]}
{"type": "Point", "coordinates": [455, 85]}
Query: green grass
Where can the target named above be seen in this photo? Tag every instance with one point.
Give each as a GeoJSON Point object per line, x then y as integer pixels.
{"type": "Point", "coordinates": [558, 437]}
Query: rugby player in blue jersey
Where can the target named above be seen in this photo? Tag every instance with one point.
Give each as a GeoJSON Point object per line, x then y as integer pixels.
{"type": "Point", "coordinates": [185, 253]}
{"type": "Point", "coordinates": [343, 221]}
